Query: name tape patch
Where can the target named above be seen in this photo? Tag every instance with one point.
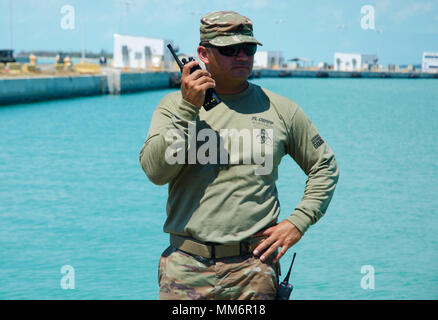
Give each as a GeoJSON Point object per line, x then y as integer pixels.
{"type": "Point", "coordinates": [317, 141]}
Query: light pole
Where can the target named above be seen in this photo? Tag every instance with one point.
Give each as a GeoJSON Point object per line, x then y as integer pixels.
{"type": "Point", "coordinates": [10, 24]}
{"type": "Point", "coordinates": [127, 3]}
{"type": "Point", "coordinates": [83, 38]}
{"type": "Point", "coordinates": [278, 22]}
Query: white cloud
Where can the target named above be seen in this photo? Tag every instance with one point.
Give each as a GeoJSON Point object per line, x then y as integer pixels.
{"type": "Point", "coordinates": [383, 6]}
{"type": "Point", "coordinates": [256, 4]}
{"type": "Point", "coordinates": [413, 9]}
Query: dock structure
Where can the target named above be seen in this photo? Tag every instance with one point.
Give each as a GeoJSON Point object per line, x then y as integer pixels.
{"type": "Point", "coordinates": [297, 73]}
{"type": "Point", "coordinates": [31, 89]}
{"type": "Point", "coordinates": [24, 88]}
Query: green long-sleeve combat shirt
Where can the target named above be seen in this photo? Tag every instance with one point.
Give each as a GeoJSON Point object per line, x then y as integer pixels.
{"type": "Point", "coordinates": [222, 165]}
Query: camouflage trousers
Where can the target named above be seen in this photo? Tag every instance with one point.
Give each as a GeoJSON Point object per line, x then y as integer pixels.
{"type": "Point", "coordinates": [182, 276]}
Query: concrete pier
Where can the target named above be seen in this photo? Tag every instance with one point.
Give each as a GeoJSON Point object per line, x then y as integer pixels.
{"type": "Point", "coordinates": [30, 89]}
{"type": "Point", "coordinates": [143, 81]}
{"type": "Point", "coordinates": [274, 73]}
{"type": "Point", "coordinates": [23, 89]}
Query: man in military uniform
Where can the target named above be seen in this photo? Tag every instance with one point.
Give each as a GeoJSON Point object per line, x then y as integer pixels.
{"type": "Point", "coordinates": [222, 215]}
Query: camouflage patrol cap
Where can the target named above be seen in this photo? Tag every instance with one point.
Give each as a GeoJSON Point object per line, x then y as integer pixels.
{"type": "Point", "coordinates": [225, 28]}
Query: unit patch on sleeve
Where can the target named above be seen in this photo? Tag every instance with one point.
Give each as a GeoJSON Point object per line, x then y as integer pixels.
{"type": "Point", "coordinates": [317, 141]}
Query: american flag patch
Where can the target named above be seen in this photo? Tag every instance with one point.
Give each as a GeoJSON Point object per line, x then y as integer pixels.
{"type": "Point", "coordinates": [317, 141]}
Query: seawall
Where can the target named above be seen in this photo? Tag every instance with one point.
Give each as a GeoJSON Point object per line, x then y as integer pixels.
{"type": "Point", "coordinates": [25, 89]}
{"type": "Point", "coordinates": [274, 73]}
{"type": "Point", "coordinates": [134, 82]}
{"type": "Point", "coordinates": [30, 89]}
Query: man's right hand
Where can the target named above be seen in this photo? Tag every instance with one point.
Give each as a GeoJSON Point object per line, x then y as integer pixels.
{"type": "Point", "coordinates": [193, 86]}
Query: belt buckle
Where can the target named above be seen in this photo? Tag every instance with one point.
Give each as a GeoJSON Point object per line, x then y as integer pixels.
{"type": "Point", "coordinates": [212, 251]}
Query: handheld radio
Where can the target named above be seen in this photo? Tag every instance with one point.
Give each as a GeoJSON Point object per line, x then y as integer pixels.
{"type": "Point", "coordinates": [285, 288]}
{"type": "Point", "coordinates": [211, 98]}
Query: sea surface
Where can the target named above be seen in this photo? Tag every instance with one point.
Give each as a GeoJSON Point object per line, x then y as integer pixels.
{"type": "Point", "coordinates": [73, 195]}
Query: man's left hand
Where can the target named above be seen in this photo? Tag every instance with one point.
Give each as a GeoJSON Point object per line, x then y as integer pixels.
{"type": "Point", "coordinates": [283, 235]}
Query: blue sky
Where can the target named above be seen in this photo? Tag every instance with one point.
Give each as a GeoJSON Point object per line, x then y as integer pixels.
{"type": "Point", "coordinates": [313, 29]}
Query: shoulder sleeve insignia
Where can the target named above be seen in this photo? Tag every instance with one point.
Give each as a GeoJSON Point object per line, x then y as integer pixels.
{"type": "Point", "coordinates": [317, 141]}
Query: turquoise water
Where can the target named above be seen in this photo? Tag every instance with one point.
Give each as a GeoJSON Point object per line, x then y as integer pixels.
{"type": "Point", "coordinates": [73, 193]}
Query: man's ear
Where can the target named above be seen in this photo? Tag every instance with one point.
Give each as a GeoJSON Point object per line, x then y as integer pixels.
{"type": "Point", "coordinates": [203, 54]}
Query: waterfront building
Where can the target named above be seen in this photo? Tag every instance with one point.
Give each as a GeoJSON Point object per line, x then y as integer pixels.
{"type": "Point", "coordinates": [355, 62]}
{"type": "Point", "coordinates": [141, 52]}
{"type": "Point", "coordinates": [430, 62]}
{"type": "Point", "coordinates": [268, 59]}
{"type": "Point", "coordinates": [300, 63]}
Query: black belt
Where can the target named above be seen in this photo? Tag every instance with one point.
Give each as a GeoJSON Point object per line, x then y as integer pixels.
{"type": "Point", "coordinates": [214, 250]}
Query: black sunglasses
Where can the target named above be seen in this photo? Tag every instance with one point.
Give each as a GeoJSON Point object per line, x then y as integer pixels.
{"type": "Point", "coordinates": [233, 50]}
